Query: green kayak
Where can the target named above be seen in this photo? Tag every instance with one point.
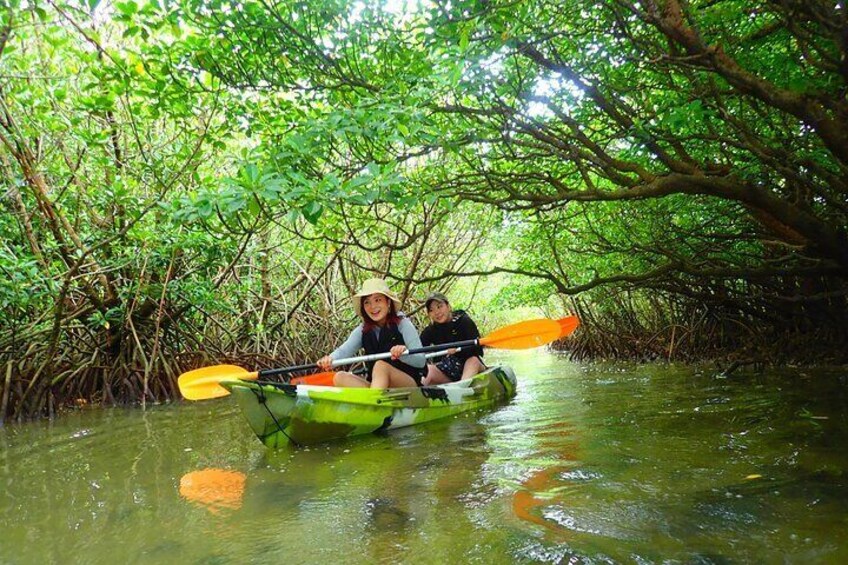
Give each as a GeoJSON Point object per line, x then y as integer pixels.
{"type": "Point", "coordinates": [306, 414]}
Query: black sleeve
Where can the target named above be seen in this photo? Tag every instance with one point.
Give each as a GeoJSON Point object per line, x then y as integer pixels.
{"type": "Point", "coordinates": [427, 336]}
{"type": "Point", "coordinates": [468, 330]}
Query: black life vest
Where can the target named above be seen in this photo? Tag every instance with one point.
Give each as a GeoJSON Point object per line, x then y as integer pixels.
{"type": "Point", "coordinates": [388, 338]}
{"type": "Point", "coordinates": [459, 328]}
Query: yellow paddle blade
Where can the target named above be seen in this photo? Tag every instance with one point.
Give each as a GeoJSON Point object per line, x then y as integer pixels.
{"type": "Point", "coordinates": [204, 383]}
{"type": "Point", "coordinates": [524, 335]}
{"type": "Point", "coordinates": [567, 325]}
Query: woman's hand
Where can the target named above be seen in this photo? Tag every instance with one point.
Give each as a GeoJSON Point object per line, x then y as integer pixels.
{"type": "Point", "coordinates": [325, 363]}
{"type": "Point", "coordinates": [397, 351]}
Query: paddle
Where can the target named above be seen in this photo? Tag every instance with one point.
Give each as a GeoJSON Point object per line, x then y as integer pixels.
{"type": "Point", "coordinates": [567, 325]}
{"type": "Point", "coordinates": [203, 383]}
{"type": "Point", "coordinates": [326, 378]}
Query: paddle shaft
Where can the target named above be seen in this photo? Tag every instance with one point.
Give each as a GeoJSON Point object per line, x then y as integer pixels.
{"type": "Point", "coordinates": [204, 383]}
{"type": "Point", "coordinates": [264, 373]}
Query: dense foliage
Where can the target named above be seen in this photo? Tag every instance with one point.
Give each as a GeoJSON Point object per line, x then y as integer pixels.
{"type": "Point", "coordinates": [194, 180]}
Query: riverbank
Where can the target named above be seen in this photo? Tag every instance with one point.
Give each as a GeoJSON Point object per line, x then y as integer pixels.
{"type": "Point", "coordinates": [728, 352]}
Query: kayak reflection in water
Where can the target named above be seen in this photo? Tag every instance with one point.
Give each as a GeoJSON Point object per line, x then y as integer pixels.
{"type": "Point", "coordinates": [449, 326]}
{"type": "Point", "coordinates": [384, 329]}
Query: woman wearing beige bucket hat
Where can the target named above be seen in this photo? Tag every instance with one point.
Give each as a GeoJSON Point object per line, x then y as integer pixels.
{"type": "Point", "coordinates": [383, 329]}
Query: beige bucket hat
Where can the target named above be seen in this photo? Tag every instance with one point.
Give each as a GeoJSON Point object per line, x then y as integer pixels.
{"type": "Point", "coordinates": [374, 286]}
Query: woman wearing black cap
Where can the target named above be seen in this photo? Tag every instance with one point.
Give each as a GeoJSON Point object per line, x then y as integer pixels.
{"type": "Point", "coordinates": [448, 326]}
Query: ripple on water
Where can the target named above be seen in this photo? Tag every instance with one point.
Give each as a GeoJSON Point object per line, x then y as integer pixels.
{"type": "Point", "coordinates": [587, 464]}
{"type": "Point", "coordinates": [560, 553]}
{"type": "Point", "coordinates": [579, 475]}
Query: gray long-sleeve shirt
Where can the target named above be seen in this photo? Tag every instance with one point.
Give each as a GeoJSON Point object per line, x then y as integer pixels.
{"type": "Point", "coordinates": [410, 337]}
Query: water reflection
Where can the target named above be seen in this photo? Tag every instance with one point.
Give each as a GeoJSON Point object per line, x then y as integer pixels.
{"type": "Point", "coordinates": [214, 489]}
{"type": "Point", "coordinates": [588, 463]}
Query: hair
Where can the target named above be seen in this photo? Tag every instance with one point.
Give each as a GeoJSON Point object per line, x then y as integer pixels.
{"type": "Point", "coordinates": [392, 318]}
{"type": "Point", "coordinates": [430, 303]}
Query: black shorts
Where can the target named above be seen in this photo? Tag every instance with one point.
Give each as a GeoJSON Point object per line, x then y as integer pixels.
{"type": "Point", "coordinates": [451, 366]}
{"type": "Point", "coordinates": [417, 373]}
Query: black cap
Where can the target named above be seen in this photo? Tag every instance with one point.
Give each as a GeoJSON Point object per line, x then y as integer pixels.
{"type": "Point", "coordinates": [435, 296]}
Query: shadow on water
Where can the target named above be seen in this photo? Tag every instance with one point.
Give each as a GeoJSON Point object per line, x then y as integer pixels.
{"type": "Point", "coordinates": [595, 463]}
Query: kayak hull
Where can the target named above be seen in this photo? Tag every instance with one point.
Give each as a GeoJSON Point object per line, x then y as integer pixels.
{"type": "Point", "coordinates": [307, 414]}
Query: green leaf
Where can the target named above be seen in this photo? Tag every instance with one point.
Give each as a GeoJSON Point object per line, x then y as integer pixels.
{"type": "Point", "coordinates": [312, 212]}
{"type": "Point", "coordinates": [127, 8]}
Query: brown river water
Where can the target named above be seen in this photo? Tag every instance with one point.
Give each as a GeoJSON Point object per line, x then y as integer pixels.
{"type": "Point", "coordinates": [600, 463]}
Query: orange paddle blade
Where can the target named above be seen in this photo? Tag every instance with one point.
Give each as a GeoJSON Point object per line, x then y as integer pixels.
{"type": "Point", "coordinates": [567, 325]}
{"type": "Point", "coordinates": [319, 379]}
{"type": "Point", "coordinates": [524, 335]}
{"type": "Point", "coordinates": [204, 383]}
{"type": "Point", "coordinates": [216, 489]}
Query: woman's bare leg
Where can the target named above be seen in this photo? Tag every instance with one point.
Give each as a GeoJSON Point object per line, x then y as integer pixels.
{"type": "Point", "coordinates": [435, 376]}
{"type": "Point", "coordinates": [343, 378]}
{"type": "Point", "coordinates": [472, 366]}
{"type": "Point", "coordinates": [385, 375]}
